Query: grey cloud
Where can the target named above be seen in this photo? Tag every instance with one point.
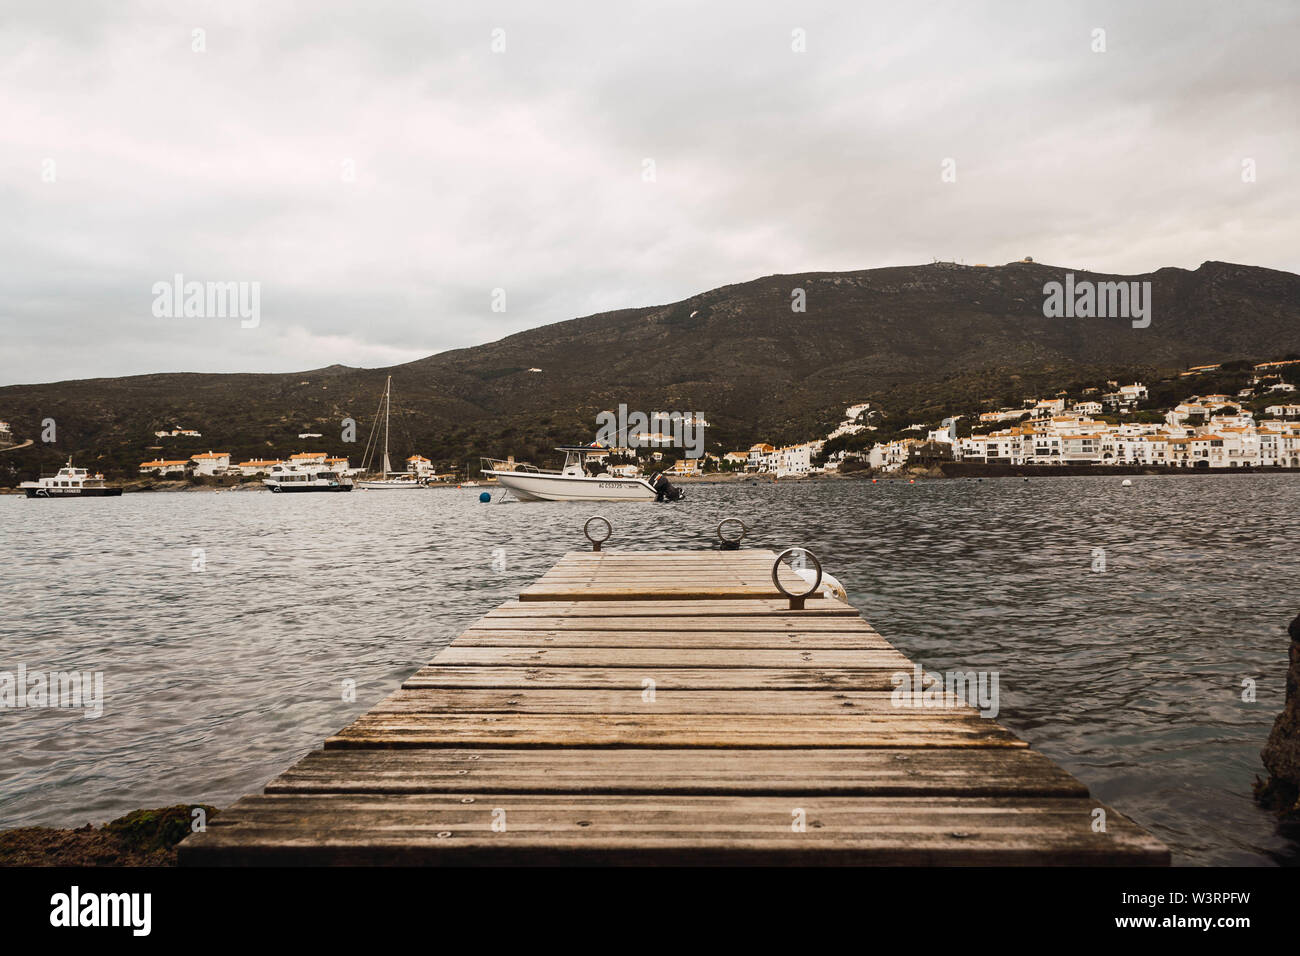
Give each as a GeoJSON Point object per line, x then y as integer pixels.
{"type": "Point", "coordinates": [523, 170]}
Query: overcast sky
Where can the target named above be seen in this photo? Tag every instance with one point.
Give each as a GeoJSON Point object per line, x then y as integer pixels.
{"type": "Point", "coordinates": [380, 169]}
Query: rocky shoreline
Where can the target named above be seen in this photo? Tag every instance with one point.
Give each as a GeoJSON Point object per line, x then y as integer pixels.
{"type": "Point", "coordinates": [141, 838]}
{"type": "Point", "coordinates": [1281, 755]}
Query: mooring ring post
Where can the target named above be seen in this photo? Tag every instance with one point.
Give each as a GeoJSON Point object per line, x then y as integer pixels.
{"type": "Point", "coordinates": [731, 544]}
{"type": "Point", "coordinates": [586, 530]}
{"type": "Point", "coordinates": [796, 600]}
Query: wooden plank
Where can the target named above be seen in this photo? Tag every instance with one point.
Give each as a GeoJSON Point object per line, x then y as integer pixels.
{"type": "Point", "coordinates": [634, 701]}
{"type": "Point", "coordinates": [627, 553]}
{"type": "Point", "coordinates": [754, 576]}
{"type": "Point", "coordinates": [732, 640]}
{"type": "Point", "coordinates": [674, 569]}
{"type": "Point", "coordinates": [662, 568]}
{"type": "Point", "coordinates": [665, 568]}
{"type": "Point", "coordinates": [692, 560]}
{"type": "Point", "coordinates": [664, 575]}
{"type": "Point", "coordinates": [599, 593]}
{"type": "Point", "coordinates": [683, 556]}
{"type": "Point", "coordinates": [917, 729]}
{"type": "Point", "coordinates": [971, 772]}
{"type": "Point", "coordinates": [664, 559]}
{"type": "Point", "coordinates": [759, 575]}
{"type": "Point", "coordinates": [785, 623]}
{"type": "Point", "coordinates": [657, 609]}
{"type": "Point", "coordinates": [431, 829]}
{"type": "Point", "coordinates": [694, 582]}
{"type": "Point", "coordinates": [651, 657]}
{"type": "Point", "coordinates": [704, 575]}
{"type": "Point", "coordinates": [666, 678]}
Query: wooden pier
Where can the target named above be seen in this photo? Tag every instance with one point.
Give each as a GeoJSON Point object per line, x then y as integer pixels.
{"type": "Point", "coordinates": [669, 707]}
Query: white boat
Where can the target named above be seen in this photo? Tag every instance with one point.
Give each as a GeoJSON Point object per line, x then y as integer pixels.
{"type": "Point", "coordinates": [572, 483]}
{"type": "Point", "coordinates": [70, 482]}
{"type": "Point", "coordinates": [300, 478]}
{"type": "Point", "coordinates": [399, 482]}
{"type": "Point", "coordinates": [390, 480]}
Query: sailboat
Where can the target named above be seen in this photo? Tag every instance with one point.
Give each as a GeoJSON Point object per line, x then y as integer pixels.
{"type": "Point", "coordinates": [390, 480]}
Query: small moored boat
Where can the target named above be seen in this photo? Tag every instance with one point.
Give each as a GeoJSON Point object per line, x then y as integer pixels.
{"type": "Point", "coordinates": [572, 483]}
{"type": "Point", "coordinates": [388, 479]}
{"type": "Point", "coordinates": [70, 482]}
{"type": "Point", "coordinates": [297, 478]}
{"type": "Point", "coordinates": [398, 482]}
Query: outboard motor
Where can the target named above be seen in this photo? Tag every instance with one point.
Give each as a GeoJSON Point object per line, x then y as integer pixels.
{"type": "Point", "coordinates": [665, 490]}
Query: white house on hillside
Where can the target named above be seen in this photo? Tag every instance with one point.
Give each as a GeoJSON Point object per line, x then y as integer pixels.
{"type": "Point", "coordinates": [762, 457]}
{"type": "Point", "coordinates": [686, 466]}
{"type": "Point", "coordinates": [855, 420]}
{"type": "Point", "coordinates": [1137, 392]}
{"type": "Point", "coordinates": [257, 466]}
{"type": "Point", "coordinates": [794, 459]}
{"type": "Point", "coordinates": [211, 463]}
{"type": "Point", "coordinates": [161, 467]}
{"type": "Point", "coordinates": [1049, 406]}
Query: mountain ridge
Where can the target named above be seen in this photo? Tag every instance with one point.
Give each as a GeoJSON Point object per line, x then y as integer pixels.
{"type": "Point", "coordinates": [917, 340]}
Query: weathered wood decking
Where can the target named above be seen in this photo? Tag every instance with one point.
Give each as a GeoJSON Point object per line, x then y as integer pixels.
{"type": "Point", "coordinates": [665, 707]}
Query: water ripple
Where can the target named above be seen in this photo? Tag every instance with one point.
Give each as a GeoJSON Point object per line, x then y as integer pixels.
{"type": "Point", "coordinates": [216, 681]}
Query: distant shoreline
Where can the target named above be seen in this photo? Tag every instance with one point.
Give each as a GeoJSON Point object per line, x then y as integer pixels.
{"type": "Point", "coordinates": [938, 471]}
{"type": "Point", "coordinates": [976, 470]}
{"type": "Point", "coordinates": [973, 470]}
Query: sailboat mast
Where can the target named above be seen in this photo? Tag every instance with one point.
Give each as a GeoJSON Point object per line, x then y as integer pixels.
{"type": "Point", "coordinates": [388, 404]}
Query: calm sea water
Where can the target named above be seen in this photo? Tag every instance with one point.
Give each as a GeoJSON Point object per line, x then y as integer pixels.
{"type": "Point", "coordinates": [217, 680]}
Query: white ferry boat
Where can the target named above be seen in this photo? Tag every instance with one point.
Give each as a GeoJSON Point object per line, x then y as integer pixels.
{"type": "Point", "coordinates": [572, 483]}
{"type": "Point", "coordinates": [298, 478]}
{"type": "Point", "coordinates": [70, 482]}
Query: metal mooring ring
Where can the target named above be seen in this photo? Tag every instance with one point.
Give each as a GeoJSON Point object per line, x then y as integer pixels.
{"type": "Point", "coordinates": [776, 579]}
{"type": "Point", "coordinates": [586, 530]}
{"type": "Point", "coordinates": [726, 521]}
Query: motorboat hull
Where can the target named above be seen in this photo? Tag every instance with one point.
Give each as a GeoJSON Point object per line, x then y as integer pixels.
{"type": "Point", "coordinates": [532, 486]}
{"type": "Point", "coordinates": [304, 488]}
{"type": "Point", "coordinates": [73, 492]}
